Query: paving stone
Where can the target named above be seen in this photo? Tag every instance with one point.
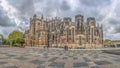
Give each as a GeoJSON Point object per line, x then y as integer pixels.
{"type": "Point", "coordinates": [56, 57]}
{"type": "Point", "coordinates": [86, 59]}
{"type": "Point", "coordinates": [4, 57]}
{"type": "Point", "coordinates": [21, 58]}
{"type": "Point", "coordinates": [95, 56]}
{"type": "Point", "coordinates": [46, 56]}
{"type": "Point", "coordinates": [81, 54]}
{"type": "Point", "coordinates": [60, 54]}
{"type": "Point", "coordinates": [57, 64]}
{"type": "Point", "coordinates": [38, 62]}
{"type": "Point", "coordinates": [75, 58]}
{"type": "Point", "coordinates": [94, 67]}
{"type": "Point", "coordinates": [3, 63]}
{"type": "Point", "coordinates": [118, 60]}
{"type": "Point", "coordinates": [40, 66]}
{"type": "Point", "coordinates": [102, 62]}
{"type": "Point", "coordinates": [12, 67]}
{"type": "Point", "coordinates": [65, 58]}
{"type": "Point", "coordinates": [4, 53]}
{"type": "Point", "coordinates": [52, 59]}
{"type": "Point", "coordinates": [11, 55]}
{"type": "Point", "coordinates": [70, 56]}
{"type": "Point", "coordinates": [81, 64]}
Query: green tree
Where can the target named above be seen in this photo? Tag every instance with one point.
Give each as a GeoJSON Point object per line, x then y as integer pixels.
{"type": "Point", "coordinates": [1, 39]}
{"type": "Point", "coordinates": [6, 41]}
{"type": "Point", "coordinates": [21, 41]}
{"type": "Point", "coordinates": [107, 42]}
{"type": "Point", "coordinates": [15, 37]}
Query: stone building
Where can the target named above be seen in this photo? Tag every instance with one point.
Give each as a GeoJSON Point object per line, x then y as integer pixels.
{"type": "Point", "coordinates": [58, 33]}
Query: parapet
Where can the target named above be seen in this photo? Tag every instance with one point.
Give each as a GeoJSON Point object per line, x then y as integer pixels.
{"type": "Point", "coordinates": [79, 17]}
{"type": "Point", "coordinates": [67, 19]}
{"type": "Point", "coordinates": [90, 19]}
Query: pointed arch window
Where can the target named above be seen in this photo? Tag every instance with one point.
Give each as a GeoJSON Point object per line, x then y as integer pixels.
{"type": "Point", "coordinates": [73, 34]}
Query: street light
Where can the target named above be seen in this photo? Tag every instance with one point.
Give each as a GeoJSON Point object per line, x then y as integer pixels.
{"type": "Point", "coordinates": [48, 35]}
{"type": "Point", "coordinates": [0, 40]}
{"type": "Point", "coordinates": [11, 42]}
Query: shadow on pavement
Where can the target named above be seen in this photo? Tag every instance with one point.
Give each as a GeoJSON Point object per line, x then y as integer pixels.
{"type": "Point", "coordinates": [116, 52]}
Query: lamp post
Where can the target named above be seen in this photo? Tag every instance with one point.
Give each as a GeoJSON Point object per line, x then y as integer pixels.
{"type": "Point", "coordinates": [48, 39]}
{"type": "Point", "coordinates": [0, 40]}
{"type": "Point", "coordinates": [56, 39]}
{"type": "Point", "coordinates": [11, 42]}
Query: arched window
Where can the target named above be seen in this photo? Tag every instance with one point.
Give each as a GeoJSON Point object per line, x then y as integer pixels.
{"type": "Point", "coordinates": [92, 34]}
{"type": "Point", "coordinates": [80, 43]}
{"type": "Point", "coordinates": [38, 23]}
{"type": "Point", "coordinates": [72, 34]}
{"type": "Point", "coordinates": [69, 32]}
{"type": "Point", "coordinates": [53, 39]}
{"type": "Point", "coordinates": [38, 34]}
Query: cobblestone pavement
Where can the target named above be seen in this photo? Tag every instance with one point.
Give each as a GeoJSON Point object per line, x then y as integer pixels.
{"type": "Point", "coordinates": [56, 58]}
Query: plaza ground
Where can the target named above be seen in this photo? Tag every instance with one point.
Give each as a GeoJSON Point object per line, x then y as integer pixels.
{"type": "Point", "coordinates": [34, 57]}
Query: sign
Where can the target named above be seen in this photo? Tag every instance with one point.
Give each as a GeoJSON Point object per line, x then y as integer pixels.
{"type": "Point", "coordinates": [1, 41]}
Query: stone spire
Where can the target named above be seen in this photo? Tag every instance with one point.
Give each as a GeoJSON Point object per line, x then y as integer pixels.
{"type": "Point", "coordinates": [42, 16]}
{"type": "Point", "coordinates": [34, 16]}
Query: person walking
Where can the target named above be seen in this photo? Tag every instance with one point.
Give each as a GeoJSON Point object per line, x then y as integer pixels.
{"type": "Point", "coordinates": [65, 48]}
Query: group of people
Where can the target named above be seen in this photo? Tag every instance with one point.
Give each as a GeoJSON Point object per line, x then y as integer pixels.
{"type": "Point", "coordinates": [66, 48]}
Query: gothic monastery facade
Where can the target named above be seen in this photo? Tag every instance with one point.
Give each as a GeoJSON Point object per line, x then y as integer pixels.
{"type": "Point", "coordinates": [60, 32]}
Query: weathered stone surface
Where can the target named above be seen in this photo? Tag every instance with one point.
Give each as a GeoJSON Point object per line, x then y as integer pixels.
{"type": "Point", "coordinates": [31, 57]}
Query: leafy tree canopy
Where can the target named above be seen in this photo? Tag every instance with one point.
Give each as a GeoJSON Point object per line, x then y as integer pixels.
{"type": "Point", "coordinates": [1, 37]}
{"type": "Point", "coordinates": [107, 42]}
{"type": "Point", "coordinates": [16, 37]}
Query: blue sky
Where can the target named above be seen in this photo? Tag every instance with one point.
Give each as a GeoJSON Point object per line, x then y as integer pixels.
{"type": "Point", "coordinates": [15, 14]}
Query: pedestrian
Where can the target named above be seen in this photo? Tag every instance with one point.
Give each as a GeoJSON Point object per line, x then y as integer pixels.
{"type": "Point", "coordinates": [65, 47]}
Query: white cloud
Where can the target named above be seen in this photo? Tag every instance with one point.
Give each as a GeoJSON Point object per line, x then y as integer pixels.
{"type": "Point", "coordinates": [5, 31]}
{"type": "Point", "coordinates": [12, 13]}
{"type": "Point", "coordinates": [19, 11]}
{"type": "Point", "coordinates": [10, 10]}
{"type": "Point", "coordinates": [73, 4]}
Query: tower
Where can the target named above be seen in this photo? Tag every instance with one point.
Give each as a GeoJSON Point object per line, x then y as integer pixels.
{"type": "Point", "coordinates": [42, 16]}
{"type": "Point", "coordinates": [57, 32]}
{"type": "Point", "coordinates": [92, 24]}
{"type": "Point", "coordinates": [79, 23]}
{"type": "Point", "coordinates": [79, 29]}
{"type": "Point", "coordinates": [101, 34]}
{"type": "Point", "coordinates": [66, 21]}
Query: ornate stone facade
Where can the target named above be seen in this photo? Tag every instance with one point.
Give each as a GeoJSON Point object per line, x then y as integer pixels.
{"type": "Point", "coordinates": [58, 33]}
